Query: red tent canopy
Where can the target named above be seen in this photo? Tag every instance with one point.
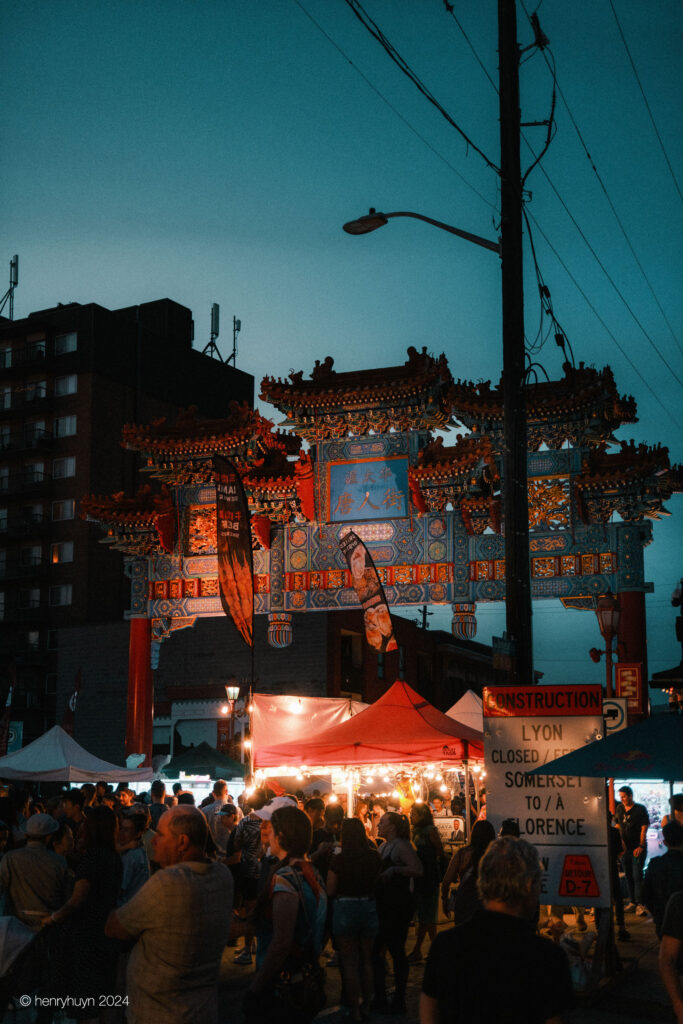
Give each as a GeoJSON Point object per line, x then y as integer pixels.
{"type": "Point", "coordinates": [400, 727]}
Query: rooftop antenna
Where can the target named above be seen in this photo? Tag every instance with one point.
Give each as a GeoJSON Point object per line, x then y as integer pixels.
{"type": "Point", "coordinates": [236, 328]}
{"type": "Point", "coordinates": [13, 282]}
{"type": "Point", "coordinates": [211, 349]}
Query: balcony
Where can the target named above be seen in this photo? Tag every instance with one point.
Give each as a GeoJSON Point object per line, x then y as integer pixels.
{"type": "Point", "coordinates": [27, 482]}
{"type": "Point", "coordinates": [29, 440]}
{"type": "Point", "coordinates": [24, 525]}
{"type": "Point", "coordinates": [15, 569]}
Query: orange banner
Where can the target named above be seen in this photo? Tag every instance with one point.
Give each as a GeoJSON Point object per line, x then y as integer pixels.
{"type": "Point", "coordinates": [233, 541]}
{"type": "Point", "coordinates": [379, 631]}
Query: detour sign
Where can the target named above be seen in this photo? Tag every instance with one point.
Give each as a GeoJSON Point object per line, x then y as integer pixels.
{"type": "Point", "coordinates": [578, 877]}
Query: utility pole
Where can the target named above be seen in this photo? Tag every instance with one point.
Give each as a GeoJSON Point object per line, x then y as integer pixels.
{"type": "Point", "coordinates": [515, 495]}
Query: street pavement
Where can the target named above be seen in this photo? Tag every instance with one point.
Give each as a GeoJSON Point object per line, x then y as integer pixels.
{"type": "Point", "coordinates": [635, 996]}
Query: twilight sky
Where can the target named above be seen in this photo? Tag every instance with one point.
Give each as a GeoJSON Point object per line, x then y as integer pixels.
{"type": "Point", "coordinates": [210, 151]}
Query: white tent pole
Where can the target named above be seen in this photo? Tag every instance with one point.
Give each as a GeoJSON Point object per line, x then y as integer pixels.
{"type": "Point", "coordinates": [468, 828]}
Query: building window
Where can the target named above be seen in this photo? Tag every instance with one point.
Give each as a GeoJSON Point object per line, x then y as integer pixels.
{"type": "Point", "coordinates": [33, 513]}
{"type": "Point", "coordinates": [65, 343]}
{"type": "Point", "coordinates": [60, 595]}
{"type": "Point", "coordinates": [35, 350]}
{"type": "Point", "coordinates": [3, 519]}
{"type": "Point", "coordinates": [62, 510]}
{"type": "Point", "coordinates": [52, 644]}
{"type": "Point", "coordinates": [35, 390]}
{"type": "Point", "coordinates": [65, 426]}
{"type": "Point", "coordinates": [5, 358]}
{"type": "Point", "coordinates": [31, 556]}
{"type": "Point", "coordinates": [63, 468]}
{"type": "Point", "coordinates": [34, 432]}
{"type": "Point", "coordinates": [34, 472]}
{"type": "Point", "coordinates": [5, 436]}
{"type": "Point", "coordinates": [4, 479]}
{"type": "Point", "coordinates": [33, 639]}
{"type": "Point", "coordinates": [5, 398]}
{"type": "Point", "coordinates": [2, 605]}
{"type": "Point", "coordinates": [51, 683]}
{"type": "Point", "coordinates": [66, 385]}
{"type": "Point", "coordinates": [29, 597]}
{"type": "Point", "coordinates": [62, 552]}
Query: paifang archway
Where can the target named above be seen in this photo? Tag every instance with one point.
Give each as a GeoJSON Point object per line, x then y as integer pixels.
{"type": "Point", "coordinates": [429, 512]}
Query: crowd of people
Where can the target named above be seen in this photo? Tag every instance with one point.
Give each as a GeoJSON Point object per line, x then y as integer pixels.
{"type": "Point", "coordinates": [138, 899]}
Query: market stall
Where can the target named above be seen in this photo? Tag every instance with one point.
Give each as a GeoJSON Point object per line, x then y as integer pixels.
{"type": "Point", "coordinates": [399, 741]}
{"type": "Point", "coordinates": [56, 757]}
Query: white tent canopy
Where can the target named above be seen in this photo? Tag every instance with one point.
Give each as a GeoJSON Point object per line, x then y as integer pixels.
{"type": "Point", "coordinates": [468, 711]}
{"type": "Point", "coordinates": [56, 757]}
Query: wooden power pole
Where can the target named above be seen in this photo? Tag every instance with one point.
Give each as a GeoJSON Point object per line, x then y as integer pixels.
{"type": "Point", "coordinates": [515, 494]}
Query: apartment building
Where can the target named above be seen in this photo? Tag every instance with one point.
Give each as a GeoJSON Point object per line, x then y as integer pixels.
{"type": "Point", "coordinates": [70, 377]}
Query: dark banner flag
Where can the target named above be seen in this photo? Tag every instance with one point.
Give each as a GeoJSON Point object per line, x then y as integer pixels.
{"type": "Point", "coordinates": [69, 715]}
{"type": "Point", "coordinates": [379, 631]}
{"type": "Point", "coordinates": [233, 533]}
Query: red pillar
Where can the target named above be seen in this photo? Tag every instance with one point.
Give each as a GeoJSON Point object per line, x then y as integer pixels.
{"type": "Point", "coordinates": [632, 637]}
{"type": "Point", "coordinates": [140, 691]}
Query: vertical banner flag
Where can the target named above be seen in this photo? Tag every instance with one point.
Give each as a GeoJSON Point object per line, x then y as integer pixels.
{"type": "Point", "coordinates": [4, 722]}
{"type": "Point", "coordinates": [70, 709]}
{"type": "Point", "coordinates": [379, 631]}
{"type": "Point", "coordinates": [233, 536]}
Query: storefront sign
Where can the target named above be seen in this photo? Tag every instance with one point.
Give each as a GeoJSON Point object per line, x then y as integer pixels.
{"type": "Point", "coordinates": [628, 683]}
{"type": "Point", "coordinates": [564, 817]}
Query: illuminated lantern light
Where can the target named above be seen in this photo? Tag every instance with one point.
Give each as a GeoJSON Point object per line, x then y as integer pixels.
{"type": "Point", "coordinates": [280, 632]}
{"type": "Point", "coordinates": [464, 622]}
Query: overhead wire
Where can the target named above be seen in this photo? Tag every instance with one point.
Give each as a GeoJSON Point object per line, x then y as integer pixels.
{"type": "Point", "coordinates": [374, 30]}
{"type": "Point", "coordinates": [393, 109]}
{"type": "Point", "coordinates": [396, 58]}
{"type": "Point", "coordinates": [615, 213]}
{"type": "Point", "coordinates": [576, 224]}
{"type": "Point", "coordinates": [647, 105]}
{"type": "Point", "coordinates": [602, 322]}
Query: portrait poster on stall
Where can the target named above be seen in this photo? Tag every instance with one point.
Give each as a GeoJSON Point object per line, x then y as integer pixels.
{"type": "Point", "coordinates": [379, 631]}
{"type": "Point", "coordinates": [565, 817]}
{"type": "Point", "coordinates": [233, 543]}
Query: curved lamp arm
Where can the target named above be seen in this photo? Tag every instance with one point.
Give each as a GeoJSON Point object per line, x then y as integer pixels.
{"type": "Point", "coordinates": [374, 220]}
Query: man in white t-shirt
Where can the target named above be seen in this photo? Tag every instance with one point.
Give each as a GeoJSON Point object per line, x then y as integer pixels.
{"type": "Point", "coordinates": [180, 919]}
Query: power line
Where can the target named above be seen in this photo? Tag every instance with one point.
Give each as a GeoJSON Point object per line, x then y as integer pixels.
{"type": "Point", "coordinates": [393, 109]}
{"type": "Point", "coordinates": [552, 70]}
{"type": "Point", "coordinates": [403, 65]}
{"type": "Point", "coordinates": [599, 318]}
{"type": "Point", "coordinates": [573, 219]}
{"type": "Point", "coordinates": [351, 3]}
{"type": "Point", "coordinates": [647, 105]}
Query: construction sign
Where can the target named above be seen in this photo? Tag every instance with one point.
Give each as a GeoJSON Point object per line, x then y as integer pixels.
{"type": "Point", "coordinates": [565, 817]}
{"type": "Point", "coordinates": [578, 878]}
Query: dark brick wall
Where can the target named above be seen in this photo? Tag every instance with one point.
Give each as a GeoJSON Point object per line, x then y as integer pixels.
{"type": "Point", "coordinates": [101, 653]}
{"type": "Point", "coordinates": [206, 655]}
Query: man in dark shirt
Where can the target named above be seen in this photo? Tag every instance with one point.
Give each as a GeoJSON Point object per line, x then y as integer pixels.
{"type": "Point", "coordinates": [632, 821]}
{"type": "Point", "coordinates": [664, 875]}
{"type": "Point", "coordinates": [495, 969]}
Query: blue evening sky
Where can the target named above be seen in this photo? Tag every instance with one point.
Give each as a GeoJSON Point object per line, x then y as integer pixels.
{"type": "Point", "coordinates": [210, 150]}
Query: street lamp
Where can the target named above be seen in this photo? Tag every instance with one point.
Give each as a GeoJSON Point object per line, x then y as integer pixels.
{"type": "Point", "coordinates": [373, 220]}
{"type": "Point", "coordinates": [607, 612]}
